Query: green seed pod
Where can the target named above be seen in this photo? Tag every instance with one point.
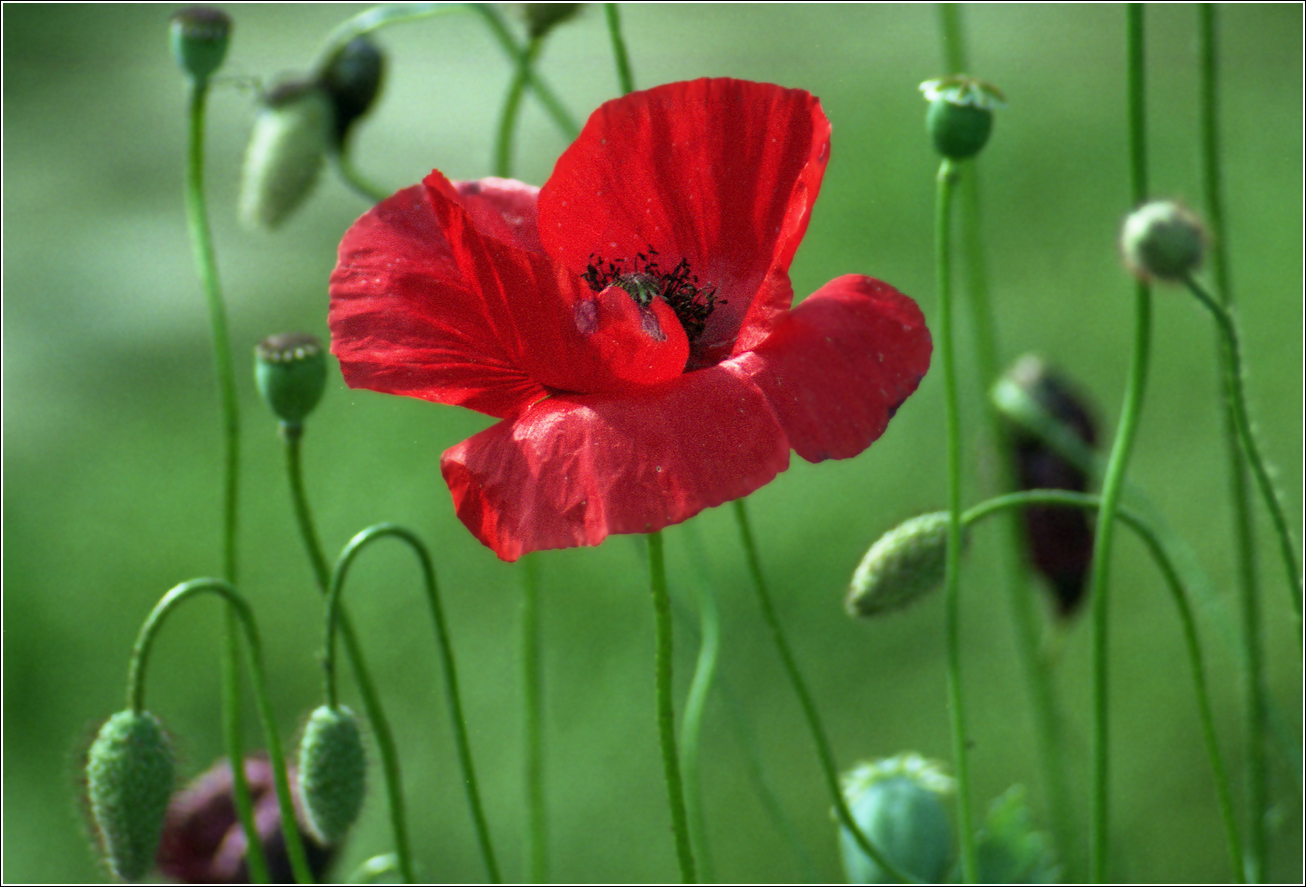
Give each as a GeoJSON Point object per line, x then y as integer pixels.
{"type": "Point", "coordinates": [902, 565]}
{"type": "Point", "coordinates": [293, 129]}
{"type": "Point", "coordinates": [1163, 240]}
{"type": "Point", "coordinates": [332, 772]}
{"type": "Point", "coordinates": [199, 38]}
{"type": "Point", "coordinates": [130, 772]}
{"type": "Point", "coordinates": [960, 118]}
{"type": "Point", "coordinates": [352, 77]}
{"type": "Point", "coordinates": [898, 803]}
{"type": "Point", "coordinates": [291, 371]}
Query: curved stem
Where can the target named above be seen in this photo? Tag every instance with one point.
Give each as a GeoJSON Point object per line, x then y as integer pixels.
{"type": "Point", "coordinates": [136, 699]}
{"type": "Point", "coordinates": [823, 753]}
{"type": "Point", "coordinates": [375, 712]}
{"type": "Point", "coordinates": [537, 845]}
{"type": "Point", "coordinates": [691, 729]}
{"type": "Point", "coordinates": [666, 710]}
{"type": "Point", "coordinates": [552, 105]}
{"type": "Point", "coordinates": [624, 78]}
{"type": "Point", "coordinates": [343, 164]}
{"type": "Point", "coordinates": [352, 550]}
{"type": "Point", "coordinates": [511, 106]}
{"type": "Point", "coordinates": [1180, 595]}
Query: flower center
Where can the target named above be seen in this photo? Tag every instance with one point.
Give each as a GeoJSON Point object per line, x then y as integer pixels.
{"type": "Point", "coordinates": [645, 281]}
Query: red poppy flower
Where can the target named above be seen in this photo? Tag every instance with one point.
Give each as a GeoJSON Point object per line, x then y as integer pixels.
{"type": "Point", "coordinates": [630, 321]}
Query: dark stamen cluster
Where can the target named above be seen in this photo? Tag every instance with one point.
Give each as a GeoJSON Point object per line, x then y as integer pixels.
{"type": "Point", "coordinates": [692, 302]}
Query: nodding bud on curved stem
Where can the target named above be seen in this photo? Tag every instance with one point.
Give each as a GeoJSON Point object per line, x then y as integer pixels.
{"type": "Point", "coordinates": [332, 772]}
{"type": "Point", "coordinates": [901, 567]}
{"type": "Point", "coordinates": [130, 773]}
{"type": "Point", "coordinates": [1163, 240]}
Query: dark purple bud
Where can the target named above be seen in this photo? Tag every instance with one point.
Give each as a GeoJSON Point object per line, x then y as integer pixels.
{"type": "Point", "coordinates": [352, 78]}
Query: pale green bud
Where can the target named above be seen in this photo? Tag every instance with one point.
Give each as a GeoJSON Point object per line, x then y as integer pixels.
{"type": "Point", "coordinates": [130, 774]}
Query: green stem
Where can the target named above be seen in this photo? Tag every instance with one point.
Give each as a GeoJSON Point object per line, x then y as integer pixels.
{"type": "Point", "coordinates": [823, 753]}
{"type": "Point", "coordinates": [949, 174]}
{"type": "Point", "coordinates": [201, 238]}
{"type": "Point", "coordinates": [1113, 483]}
{"type": "Point", "coordinates": [512, 105]}
{"type": "Point", "coordinates": [624, 78]}
{"type": "Point", "coordinates": [136, 700]}
{"type": "Point", "coordinates": [552, 105]}
{"type": "Point", "coordinates": [691, 730]}
{"type": "Point", "coordinates": [355, 180]}
{"type": "Point", "coordinates": [537, 846]}
{"type": "Point", "coordinates": [1243, 529]}
{"type": "Point", "coordinates": [1180, 595]}
{"type": "Point", "coordinates": [352, 550]}
{"type": "Point", "coordinates": [666, 713]}
{"type": "Point", "coordinates": [375, 712]}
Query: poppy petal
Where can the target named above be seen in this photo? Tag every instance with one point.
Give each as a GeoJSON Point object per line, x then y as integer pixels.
{"type": "Point", "coordinates": [722, 173]}
{"type": "Point", "coordinates": [405, 321]}
{"type": "Point", "coordinates": [572, 470]}
{"type": "Point", "coordinates": [837, 367]}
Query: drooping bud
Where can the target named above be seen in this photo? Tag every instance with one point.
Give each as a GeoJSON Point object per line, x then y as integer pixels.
{"type": "Point", "coordinates": [130, 772]}
{"type": "Point", "coordinates": [292, 131]}
{"type": "Point", "coordinates": [541, 18]}
{"type": "Point", "coordinates": [199, 38]}
{"type": "Point", "coordinates": [291, 371]}
{"type": "Point", "coordinates": [352, 78]}
{"type": "Point", "coordinates": [203, 842]}
{"type": "Point", "coordinates": [1009, 850]}
{"type": "Point", "coordinates": [1059, 539]}
{"type": "Point", "coordinates": [1163, 240]}
{"type": "Point", "coordinates": [898, 804]}
{"type": "Point", "coordinates": [332, 772]}
{"type": "Point", "coordinates": [902, 566]}
{"type": "Point", "coordinates": [960, 117]}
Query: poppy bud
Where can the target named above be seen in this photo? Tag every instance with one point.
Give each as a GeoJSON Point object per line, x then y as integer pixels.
{"type": "Point", "coordinates": [1163, 240]}
{"type": "Point", "coordinates": [204, 843]}
{"type": "Point", "coordinates": [199, 38]}
{"type": "Point", "coordinates": [352, 78]}
{"type": "Point", "coordinates": [960, 117]}
{"type": "Point", "coordinates": [898, 804]}
{"type": "Point", "coordinates": [291, 133]}
{"type": "Point", "coordinates": [290, 369]}
{"type": "Point", "coordinates": [902, 565]}
{"type": "Point", "coordinates": [130, 772]}
{"type": "Point", "coordinates": [1059, 539]}
{"type": "Point", "coordinates": [541, 18]}
{"type": "Point", "coordinates": [332, 772]}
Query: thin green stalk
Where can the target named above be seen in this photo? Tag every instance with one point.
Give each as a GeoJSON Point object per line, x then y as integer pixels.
{"type": "Point", "coordinates": [385, 743]}
{"type": "Point", "coordinates": [1180, 595]}
{"type": "Point", "coordinates": [512, 105]}
{"type": "Point", "coordinates": [666, 712]}
{"type": "Point", "coordinates": [552, 105]}
{"type": "Point", "coordinates": [949, 174]}
{"type": "Point", "coordinates": [1113, 483]}
{"type": "Point", "coordinates": [276, 756]}
{"type": "Point", "coordinates": [355, 180]}
{"type": "Point", "coordinates": [691, 729]}
{"type": "Point", "coordinates": [624, 77]}
{"type": "Point", "coordinates": [532, 678]}
{"type": "Point", "coordinates": [201, 238]}
{"type": "Point", "coordinates": [823, 753]}
{"type": "Point", "coordinates": [351, 551]}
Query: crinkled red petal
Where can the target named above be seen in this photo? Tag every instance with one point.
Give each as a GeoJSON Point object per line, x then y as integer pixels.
{"type": "Point", "coordinates": [572, 470]}
{"type": "Point", "coordinates": [722, 173]}
{"type": "Point", "coordinates": [404, 319]}
{"type": "Point", "coordinates": [837, 367]}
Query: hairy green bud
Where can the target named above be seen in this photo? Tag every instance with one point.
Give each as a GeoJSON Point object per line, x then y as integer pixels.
{"type": "Point", "coordinates": [903, 565]}
{"type": "Point", "coordinates": [1163, 240]}
{"type": "Point", "coordinates": [293, 129]}
{"type": "Point", "coordinates": [130, 773]}
{"type": "Point", "coordinates": [332, 772]}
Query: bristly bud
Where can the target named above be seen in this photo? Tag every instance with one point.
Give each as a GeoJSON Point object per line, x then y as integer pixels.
{"type": "Point", "coordinates": [902, 566]}
{"type": "Point", "coordinates": [960, 117]}
{"type": "Point", "coordinates": [541, 18]}
{"type": "Point", "coordinates": [1059, 539]}
{"type": "Point", "coordinates": [130, 772]}
{"type": "Point", "coordinates": [199, 38]}
{"type": "Point", "coordinates": [1163, 240]}
{"type": "Point", "coordinates": [332, 772]}
{"type": "Point", "coordinates": [293, 129]}
{"type": "Point", "coordinates": [898, 803]}
{"type": "Point", "coordinates": [291, 371]}
{"type": "Point", "coordinates": [203, 842]}
{"type": "Point", "coordinates": [352, 77]}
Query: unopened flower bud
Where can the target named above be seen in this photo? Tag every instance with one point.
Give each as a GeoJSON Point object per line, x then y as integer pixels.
{"type": "Point", "coordinates": [898, 804]}
{"type": "Point", "coordinates": [291, 371]}
{"type": "Point", "coordinates": [902, 565]}
{"type": "Point", "coordinates": [1059, 539]}
{"type": "Point", "coordinates": [1163, 240]}
{"type": "Point", "coordinates": [332, 772]}
{"type": "Point", "coordinates": [960, 117]}
{"type": "Point", "coordinates": [130, 772]}
{"type": "Point", "coordinates": [294, 127]}
{"type": "Point", "coordinates": [352, 78]}
{"type": "Point", "coordinates": [541, 18]}
{"type": "Point", "coordinates": [199, 38]}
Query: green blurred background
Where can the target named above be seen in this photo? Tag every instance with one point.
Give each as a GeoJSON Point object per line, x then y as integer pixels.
{"type": "Point", "coordinates": [112, 448]}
